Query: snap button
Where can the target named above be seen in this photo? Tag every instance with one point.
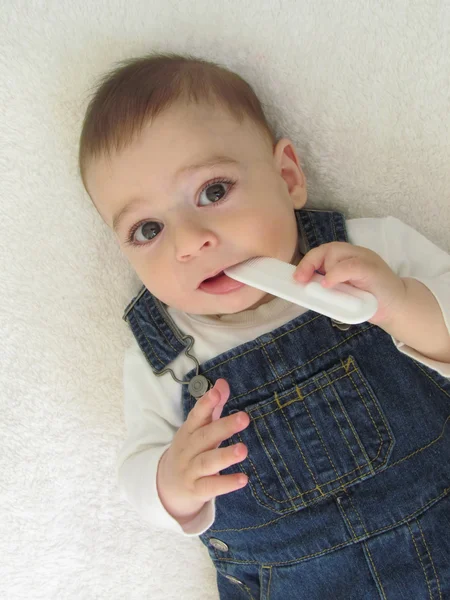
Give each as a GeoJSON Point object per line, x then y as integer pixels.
{"type": "Point", "coordinates": [218, 544]}
{"type": "Point", "coordinates": [340, 325]}
{"type": "Point", "coordinates": [198, 386]}
{"type": "Point", "coordinates": [234, 580]}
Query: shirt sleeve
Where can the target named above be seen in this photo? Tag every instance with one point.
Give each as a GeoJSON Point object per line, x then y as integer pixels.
{"type": "Point", "coordinates": [409, 254]}
{"type": "Point", "coordinates": [151, 421]}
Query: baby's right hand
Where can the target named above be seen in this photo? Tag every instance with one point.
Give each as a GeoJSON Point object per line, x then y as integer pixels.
{"type": "Point", "coordinates": [188, 472]}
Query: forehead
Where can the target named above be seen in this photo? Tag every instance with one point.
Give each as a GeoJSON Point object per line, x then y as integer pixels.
{"type": "Point", "coordinates": [184, 129]}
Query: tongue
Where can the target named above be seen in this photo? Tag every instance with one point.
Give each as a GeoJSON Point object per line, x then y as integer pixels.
{"type": "Point", "coordinates": [221, 283]}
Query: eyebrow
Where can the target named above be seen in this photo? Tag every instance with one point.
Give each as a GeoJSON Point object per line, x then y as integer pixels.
{"type": "Point", "coordinates": [213, 161]}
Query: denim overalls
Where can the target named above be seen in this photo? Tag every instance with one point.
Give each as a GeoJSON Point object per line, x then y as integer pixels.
{"type": "Point", "coordinates": [348, 456]}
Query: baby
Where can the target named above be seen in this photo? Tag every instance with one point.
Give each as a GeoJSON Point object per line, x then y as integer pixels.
{"type": "Point", "coordinates": [310, 456]}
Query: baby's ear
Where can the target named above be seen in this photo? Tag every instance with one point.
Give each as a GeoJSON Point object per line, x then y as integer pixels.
{"type": "Point", "coordinates": [288, 165]}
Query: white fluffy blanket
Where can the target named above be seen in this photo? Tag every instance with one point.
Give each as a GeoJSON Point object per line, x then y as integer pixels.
{"type": "Point", "coordinates": [363, 90]}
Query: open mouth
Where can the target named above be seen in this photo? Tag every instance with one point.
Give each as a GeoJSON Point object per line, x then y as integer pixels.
{"type": "Point", "coordinates": [219, 284]}
{"type": "Point", "coordinates": [215, 277]}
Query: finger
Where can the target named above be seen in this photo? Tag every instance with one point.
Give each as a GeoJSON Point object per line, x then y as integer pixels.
{"type": "Point", "coordinates": [224, 390]}
{"type": "Point", "coordinates": [212, 435]}
{"type": "Point", "coordinates": [213, 461]}
{"type": "Point", "coordinates": [202, 412]}
{"type": "Point", "coordinates": [217, 485]}
{"type": "Point", "coordinates": [311, 262]}
{"type": "Point", "coordinates": [352, 270]}
{"type": "Point", "coordinates": [323, 258]}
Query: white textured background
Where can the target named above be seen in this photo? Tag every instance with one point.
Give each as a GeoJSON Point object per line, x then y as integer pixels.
{"type": "Point", "coordinates": [363, 90]}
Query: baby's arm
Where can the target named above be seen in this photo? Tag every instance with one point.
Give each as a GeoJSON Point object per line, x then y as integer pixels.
{"type": "Point", "coordinates": [419, 322]}
{"type": "Point", "coordinates": [152, 420]}
{"type": "Point", "coordinates": [189, 471]}
{"type": "Point", "coordinates": [164, 464]}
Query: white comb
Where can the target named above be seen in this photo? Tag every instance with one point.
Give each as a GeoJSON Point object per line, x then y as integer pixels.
{"type": "Point", "coordinates": [343, 302]}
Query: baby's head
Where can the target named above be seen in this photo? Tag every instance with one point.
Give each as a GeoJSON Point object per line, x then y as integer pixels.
{"type": "Point", "coordinates": [179, 160]}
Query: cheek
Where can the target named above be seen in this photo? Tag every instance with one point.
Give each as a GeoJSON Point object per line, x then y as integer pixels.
{"type": "Point", "coordinates": [141, 263]}
{"type": "Point", "coordinates": [272, 220]}
{"type": "Point", "coordinates": [156, 275]}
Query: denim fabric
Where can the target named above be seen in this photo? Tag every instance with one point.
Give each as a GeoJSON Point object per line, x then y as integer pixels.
{"type": "Point", "coordinates": [348, 456]}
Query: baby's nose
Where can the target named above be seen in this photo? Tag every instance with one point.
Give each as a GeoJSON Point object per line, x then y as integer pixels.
{"type": "Point", "coordinates": [191, 238]}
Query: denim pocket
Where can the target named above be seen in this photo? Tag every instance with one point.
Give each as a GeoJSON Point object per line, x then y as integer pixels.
{"type": "Point", "coordinates": [306, 443]}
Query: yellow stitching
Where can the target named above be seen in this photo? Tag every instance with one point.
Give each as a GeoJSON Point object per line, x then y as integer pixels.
{"type": "Point", "coordinates": [297, 368]}
{"type": "Point", "coordinates": [345, 474]}
{"type": "Point", "coordinates": [290, 508]}
{"type": "Point", "coordinates": [342, 433]}
{"type": "Point", "coordinates": [299, 393]}
{"type": "Point", "coordinates": [435, 382]}
{"type": "Point", "coordinates": [321, 438]}
{"type": "Point", "coordinates": [421, 562]}
{"type": "Point", "coordinates": [321, 552]}
{"type": "Point", "coordinates": [162, 334]}
{"type": "Point", "coordinates": [375, 405]}
{"type": "Point", "coordinates": [366, 546]}
{"type": "Point", "coordinates": [347, 520]}
{"type": "Point", "coordinates": [334, 490]}
{"type": "Point", "coordinates": [348, 364]}
{"type": "Point", "coordinates": [330, 480]}
{"type": "Point", "coordinates": [274, 371]}
{"type": "Point", "coordinates": [368, 411]}
{"type": "Point", "coordinates": [431, 559]}
{"type": "Point", "coordinates": [269, 584]}
{"type": "Point", "coordinates": [305, 385]}
{"type": "Point", "coordinates": [422, 448]}
{"type": "Point", "coordinates": [357, 438]}
{"type": "Point", "coordinates": [151, 345]}
{"type": "Point", "coordinates": [301, 452]}
{"type": "Point", "coordinates": [247, 589]}
{"type": "Point", "coordinates": [292, 401]}
{"type": "Point", "coordinates": [261, 484]}
{"type": "Point", "coordinates": [273, 464]}
{"type": "Point", "coordinates": [356, 510]}
{"type": "Point", "coordinates": [276, 400]}
{"type": "Point", "coordinates": [370, 533]}
{"type": "Point", "coordinates": [271, 341]}
{"type": "Point", "coordinates": [288, 511]}
{"type": "Point", "coordinates": [281, 456]}
{"type": "Point", "coordinates": [277, 349]}
{"type": "Point", "coordinates": [368, 462]}
{"type": "Point", "coordinates": [301, 494]}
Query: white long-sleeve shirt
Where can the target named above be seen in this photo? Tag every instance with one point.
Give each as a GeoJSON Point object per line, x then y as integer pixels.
{"type": "Point", "coordinates": [152, 405]}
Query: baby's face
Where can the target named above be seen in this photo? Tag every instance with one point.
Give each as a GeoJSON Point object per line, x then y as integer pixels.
{"type": "Point", "coordinates": [184, 225]}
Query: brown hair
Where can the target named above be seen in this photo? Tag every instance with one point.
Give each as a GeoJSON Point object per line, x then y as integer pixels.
{"type": "Point", "coordinates": [139, 89]}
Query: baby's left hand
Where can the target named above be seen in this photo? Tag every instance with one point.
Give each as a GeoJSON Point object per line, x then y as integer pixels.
{"type": "Point", "coordinates": [342, 262]}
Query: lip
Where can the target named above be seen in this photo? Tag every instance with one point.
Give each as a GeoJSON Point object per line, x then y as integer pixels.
{"type": "Point", "coordinates": [216, 272]}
